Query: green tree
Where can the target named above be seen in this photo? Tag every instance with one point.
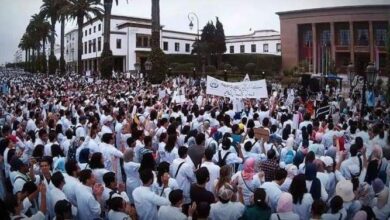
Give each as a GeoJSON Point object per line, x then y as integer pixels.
{"type": "Point", "coordinates": [159, 66]}
{"type": "Point", "coordinates": [63, 15]}
{"type": "Point", "coordinates": [206, 45]}
{"type": "Point", "coordinates": [220, 43]}
{"type": "Point", "coordinates": [80, 9]}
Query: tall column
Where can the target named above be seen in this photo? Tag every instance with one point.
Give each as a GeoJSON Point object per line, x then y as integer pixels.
{"type": "Point", "coordinates": [332, 42]}
{"type": "Point", "coordinates": [351, 43]}
{"type": "Point", "coordinates": [371, 41]}
{"type": "Point", "coordinates": [314, 47]}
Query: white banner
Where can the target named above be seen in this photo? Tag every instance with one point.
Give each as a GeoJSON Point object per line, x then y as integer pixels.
{"type": "Point", "coordinates": [246, 89]}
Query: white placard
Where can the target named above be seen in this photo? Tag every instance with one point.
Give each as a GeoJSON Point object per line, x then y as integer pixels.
{"type": "Point", "coordinates": [249, 89]}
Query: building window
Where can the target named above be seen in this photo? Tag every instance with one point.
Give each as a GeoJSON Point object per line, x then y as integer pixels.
{"type": "Point", "coordinates": [253, 48]}
{"type": "Point", "coordinates": [362, 37]}
{"type": "Point", "coordinates": [118, 43]}
{"type": "Point", "coordinates": [308, 38]}
{"type": "Point", "coordinates": [231, 49]}
{"type": "Point", "coordinates": [90, 30]}
{"type": "Point", "coordinates": [242, 48]}
{"type": "Point", "coordinates": [165, 45]}
{"type": "Point", "coordinates": [265, 48]}
{"type": "Point", "coordinates": [325, 37]}
{"type": "Point", "coordinates": [142, 41]}
{"type": "Point", "coordinates": [278, 47]}
{"type": "Point", "coordinates": [344, 37]}
{"type": "Point", "coordinates": [90, 46]}
{"type": "Point", "coordinates": [177, 47]}
{"type": "Point", "coordinates": [99, 43]}
{"type": "Point", "coordinates": [85, 48]}
{"type": "Point", "coordinates": [94, 46]}
{"type": "Point", "coordinates": [86, 33]}
{"type": "Point", "coordinates": [380, 37]}
{"type": "Point", "coordinates": [99, 27]}
{"type": "Point", "coordinates": [187, 48]}
{"type": "Point", "coordinates": [94, 29]}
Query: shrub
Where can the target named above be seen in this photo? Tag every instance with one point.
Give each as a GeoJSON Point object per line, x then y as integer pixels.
{"type": "Point", "coordinates": [159, 66]}
{"type": "Point", "coordinates": [106, 64]}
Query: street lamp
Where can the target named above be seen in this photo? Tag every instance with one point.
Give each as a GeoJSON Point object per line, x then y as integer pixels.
{"type": "Point", "coordinates": [369, 78]}
{"type": "Point", "coordinates": [351, 77]}
{"type": "Point", "coordinates": [194, 73]}
{"type": "Point", "coordinates": [148, 68]}
{"type": "Point", "coordinates": [191, 17]}
{"type": "Point", "coordinates": [137, 68]}
{"type": "Point", "coordinates": [169, 71]}
{"type": "Point", "coordinates": [263, 74]}
{"type": "Point", "coordinates": [225, 75]}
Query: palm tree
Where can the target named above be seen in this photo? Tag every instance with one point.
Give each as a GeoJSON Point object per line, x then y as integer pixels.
{"type": "Point", "coordinates": [80, 9]}
{"type": "Point", "coordinates": [155, 24]}
{"type": "Point", "coordinates": [39, 30]}
{"type": "Point", "coordinates": [50, 9]}
{"type": "Point", "coordinates": [63, 15]}
{"type": "Point", "coordinates": [23, 45]}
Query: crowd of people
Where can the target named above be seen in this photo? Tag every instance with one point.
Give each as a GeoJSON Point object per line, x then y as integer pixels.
{"type": "Point", "coordinates": [74, 148]}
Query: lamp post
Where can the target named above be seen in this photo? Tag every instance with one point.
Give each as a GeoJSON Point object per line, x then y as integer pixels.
{"type": "Point", "coordinates": [194, 73]}
{"type": "Point", "coordinates": [369, 78]}
{"type": "Point", "coordinates": [148, 68]}
{"type": "Point", "coordinates": [351, 77]}
{"type": "Point", "coordinates": [169, 72]}
{"type": "Point", "coordinates": [263, 74]}
{"type": "Point", "coordinates": [225, 75]}
{"type": "Point", "coordinates": [137, 67]}
{"type": "Point", "coordinates": [191, 17]}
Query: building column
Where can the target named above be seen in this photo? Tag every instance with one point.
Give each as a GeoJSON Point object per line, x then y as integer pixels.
{"type": "Point", "coordinates": [314, 46]}
{"type": "Point", "coordinates": [371, 42]}
{"type": "Point", "coordinates": [124, 64]}
{"type": "Point", "coordinates": [332, 42]}
{"type": "Point", "coordinates": [351, 43]}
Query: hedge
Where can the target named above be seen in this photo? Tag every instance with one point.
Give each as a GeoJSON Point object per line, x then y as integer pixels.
{"type": "Point", "coordinates": [264, 62]}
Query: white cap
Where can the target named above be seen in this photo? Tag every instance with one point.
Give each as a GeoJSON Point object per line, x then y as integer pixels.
{"type": "Point", "coordinates": [328, 161]}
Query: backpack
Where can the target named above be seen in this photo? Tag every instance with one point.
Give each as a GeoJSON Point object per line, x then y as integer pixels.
{"type": "Point", "coordinates": [222, 161]}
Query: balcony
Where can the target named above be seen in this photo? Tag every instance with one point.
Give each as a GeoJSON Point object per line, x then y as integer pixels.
{"type": "Point", "coordinates": [342, 48]}
{"type": "Point", "coordinates": [362, 49]}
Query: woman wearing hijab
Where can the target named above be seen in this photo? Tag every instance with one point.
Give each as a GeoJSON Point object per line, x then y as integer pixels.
{"type": "Point", "coordinates": [247, 180]}
{"type": "Point", "coordinates": [302, 200]}
{"type": "Point", "coordinates": [313, 184]}
{"type": "Point", "coordinates": [284, 210]}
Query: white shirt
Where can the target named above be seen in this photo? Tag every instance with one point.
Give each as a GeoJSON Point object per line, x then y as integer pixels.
{"type": "Point", "coordinates": [171, 213]}
{"type": "Point", "coordinates": [303, 209]}
{"type": "Point", "coordinates": [109, 153]}
{"type": "Point", "coordinates": [107, 191]}
{"type": "Point", "coordinates": [166, 156]}
{"type": "Point", "coordinates": [56, 195]}
{"type": "Point", "coordinates": [172, 185]}
{"type": "Point", "coordinates": [112, 215]}
{"type": "Point", "coordinates": [214, 174]}
{"type": "Point", "coordinates": [273, 192]}
{"type": "Point", "coordinates": [86, 202]}
{"type": "Point", "coordinates": [227, 211]}
{"type": "Point", "coordinates": [31, 125]}
{"type": "Point", "coordinates": [146, 203]}
{"type": "Point", "coordinates": [232, 158]}
{"type": "Point", "coordinates": [132, 178]}
{"type": "Point", "coordinates": [185, 177]}
{"type": "Point", "coordinates": [80, 131]}
{"type": "Point", "coordinates": [284, 216]}
{"type": "Point", "coordinates": [71, 184]}
{"type": "Point", "coordinates": [99, 172]}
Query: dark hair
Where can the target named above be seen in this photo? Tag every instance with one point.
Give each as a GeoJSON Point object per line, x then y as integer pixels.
{"type": "Point", "coordinates": [69, 134]}
{"type": "Point", "coordinates": [226, 143]}
{"type": "Point", "coordinates": [353, 150]}
{"type": "Point", "coordinates": [130, 141]}
{"type": "Point", "coordinates": [84, 175]}
{"type": "Point", "coordinates": [202, 175]}
{"type": "Point", "coordinates": [108, 178]}
{"type": "Point", "coordinates": [209, 153]}
{"type": "Point", "coordinates": [147, 162]}
{"type": "Point", "coordinates": [280, 174]}
{"type": "Point", "coordinates": [203, 210]}
{"type": "Point", "coordinates": [336, 203]}
{"type": "Point", "coordinates": [248, 146]}
{"type": "Point", "coordinates": [48, 160]}
{"type": "Point", "coordinates": [146, 175]}
{"type": "Point", "coordinates": [318, 207]}
{"type": "Point", "coordinates": [106, 138]}
{"type": "Point", "coordinates": [271, 154]}
{"type": "Point", "coordinates": [56, 151]}
{"type": "Point", "coordinates": [57, 179]}
{"type": "Point", "coordinates": [171, 142]}
{"type": "Point", "coordinates": [182, 151]}
{"type": "Point", "coordinates": [11, 202]}
{"type": "Point", "coordinates": [38, 151]}
{"type": "Point", "coordinates": [70, 167]}
{"type": "Point", "coordinates": [52, 135]}
{"type": "Point", "coordinates": [29, 187]}
{"type": "Point", "coordinates": [259, 197]}
{"type": "Point", "coordinates": [63, 210]}
{"type": "Point", "coordinates": [251, 133]}
{"type": "Point", "coordinates": [162, 168]}
{"type": "Point", "coordinates": [147, 140]}
{"type": "Point", "coordinates": [286, 132]}
{"type": "Point", "coordinates": [96, 161]}
{"type": "Point", "coordinates": [200, 138]}
{"type": "Point", "coordinates": [175, 196]}
{"type": "Point", "coordinates": [115, 203]}
{"type": "Point", "coordinates": [298, 188]}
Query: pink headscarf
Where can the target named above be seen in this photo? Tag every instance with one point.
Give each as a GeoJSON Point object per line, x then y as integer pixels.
{"type": "Point", "coordinates": [249, 169]}
{"type": "Point", "coordinates": [285, 203]}
{"type": "Point", "coordinates": [360, 215]}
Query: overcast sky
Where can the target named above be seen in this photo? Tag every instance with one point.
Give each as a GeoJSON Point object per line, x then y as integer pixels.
{"type": "Point", "coordinates": [237, 16]}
